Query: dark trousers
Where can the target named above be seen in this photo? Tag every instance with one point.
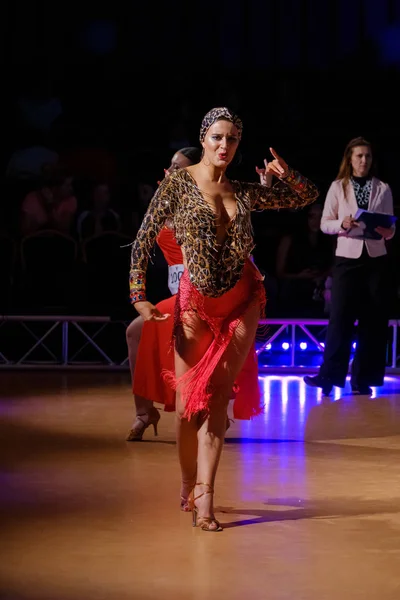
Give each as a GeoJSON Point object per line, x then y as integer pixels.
{"type": "Point", "coordinates": [359, 291]}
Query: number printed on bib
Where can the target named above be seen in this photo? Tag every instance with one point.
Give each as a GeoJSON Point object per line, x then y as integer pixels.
{"type": "Point", "coordinates": [174, 277]}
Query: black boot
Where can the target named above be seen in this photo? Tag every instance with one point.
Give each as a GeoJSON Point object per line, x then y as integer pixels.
{"type": "Point", "coordinates": [361, 390]}
{"type": "Point", "coordinates": [321, 382]}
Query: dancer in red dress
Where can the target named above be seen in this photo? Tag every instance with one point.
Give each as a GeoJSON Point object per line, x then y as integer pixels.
{"type": "Point", "coordinates": [146, 415]}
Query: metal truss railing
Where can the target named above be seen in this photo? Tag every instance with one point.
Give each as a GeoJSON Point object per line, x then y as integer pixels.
{"type": "Point", "coordinates": [292, 326]}
{"type": "Point", "coordinates": [29, 341]}
{"type": "Point", "coordinates": [96, 342]}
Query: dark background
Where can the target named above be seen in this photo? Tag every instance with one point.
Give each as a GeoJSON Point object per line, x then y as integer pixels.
{"type": "Point", "coordinates": [305, 76]}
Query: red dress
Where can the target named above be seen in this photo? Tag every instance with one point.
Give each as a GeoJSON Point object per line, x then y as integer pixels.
{"type": "Point", "coordinates": [156, 355]}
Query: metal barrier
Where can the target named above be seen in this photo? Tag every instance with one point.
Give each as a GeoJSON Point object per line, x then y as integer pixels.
{"type": "Point", "coordinates": [85, 342]}
{"type": "Point", "coordinates": [59, 341]}
{"type": "Point", "coordinates": [304, 325]}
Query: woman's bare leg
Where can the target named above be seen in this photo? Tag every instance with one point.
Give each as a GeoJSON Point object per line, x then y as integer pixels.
{"type": "Point", "coordinates": [212, 431]}
{"type": "Point", "coordinates": [133, 335]}
{"type": "Point", "coordinates": [192, 343]}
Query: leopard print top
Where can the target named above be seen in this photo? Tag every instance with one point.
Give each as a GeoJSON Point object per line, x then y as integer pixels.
{"type": "Point", "coordinates": [213, 269]}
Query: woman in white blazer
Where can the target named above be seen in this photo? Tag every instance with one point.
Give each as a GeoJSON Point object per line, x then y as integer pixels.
{"type": "Point", "coordinates": [359, 278]}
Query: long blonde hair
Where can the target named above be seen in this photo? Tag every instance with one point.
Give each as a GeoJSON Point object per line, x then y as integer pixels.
{"type": "Point", "coordinates": [345, 169]}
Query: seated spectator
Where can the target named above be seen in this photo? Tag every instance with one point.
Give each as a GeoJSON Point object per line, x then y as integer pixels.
{"type": "Point", "coordinates": [52, 206]}
{"type": "Point", "coordinates": [99, 217]}
{"type": "Point", "coordinates": [304, 260]}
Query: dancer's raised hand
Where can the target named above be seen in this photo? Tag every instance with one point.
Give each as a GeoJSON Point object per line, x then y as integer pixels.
{"type": "Point", "coordinates": [278, 166]}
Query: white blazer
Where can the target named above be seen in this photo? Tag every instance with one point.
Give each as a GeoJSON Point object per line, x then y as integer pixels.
{"type": "Point", "coordinates": [337, 207]}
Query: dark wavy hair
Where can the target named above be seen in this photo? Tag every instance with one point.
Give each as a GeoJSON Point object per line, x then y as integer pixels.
{"type": "Point", "coordinates": [345, 169]}
{"type": "Point", "coordinates": [192, 153]}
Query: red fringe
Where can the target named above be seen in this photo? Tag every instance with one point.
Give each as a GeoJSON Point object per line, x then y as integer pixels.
{"type": "Point", "coordinates": [195, 385]}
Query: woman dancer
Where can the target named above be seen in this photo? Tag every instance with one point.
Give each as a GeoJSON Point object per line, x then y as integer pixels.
{"type": "Point", "coordinates": [150, 343]}
{"type": "Point", "coordinates": [221, 296]}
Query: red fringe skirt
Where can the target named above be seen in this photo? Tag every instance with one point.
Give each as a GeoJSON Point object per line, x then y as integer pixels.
{"type": "Point", "coordinates": [154, 372]}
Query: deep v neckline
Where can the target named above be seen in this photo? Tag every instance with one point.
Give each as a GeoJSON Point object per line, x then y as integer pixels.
{"type": "Point", "coordinates": [204, 201]}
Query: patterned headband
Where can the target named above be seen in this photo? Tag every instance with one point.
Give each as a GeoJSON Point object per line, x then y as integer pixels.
{"type": "Point", "coordinates": [214, 115]}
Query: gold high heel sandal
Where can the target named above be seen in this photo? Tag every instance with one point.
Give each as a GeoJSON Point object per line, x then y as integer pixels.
{"type": "Point", "coordinates": [204, 523]}
{"type": "Point", "coordinates": [186, 503]}
{"type": "Point", "coordinates": [142, 423]}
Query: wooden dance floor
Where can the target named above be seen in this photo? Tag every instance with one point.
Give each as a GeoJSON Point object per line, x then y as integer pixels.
{"type": "Point", "coordinates": [308, 494]}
